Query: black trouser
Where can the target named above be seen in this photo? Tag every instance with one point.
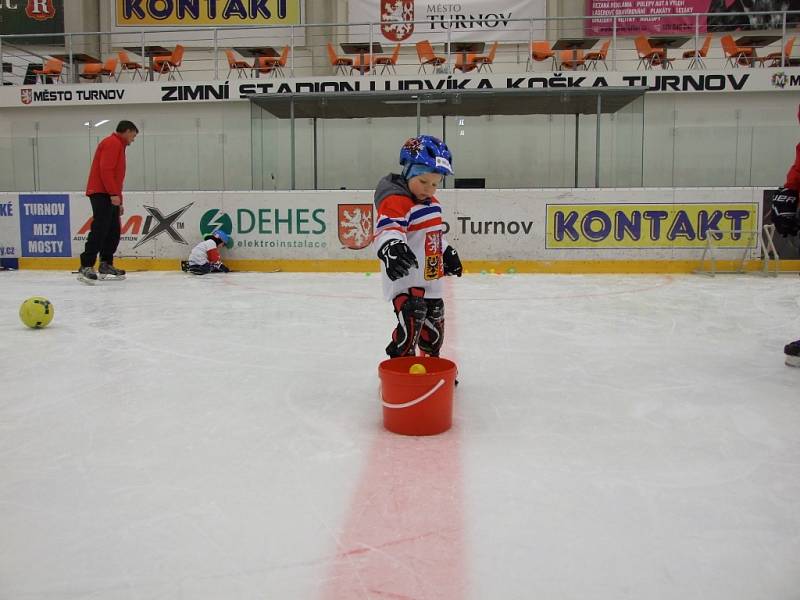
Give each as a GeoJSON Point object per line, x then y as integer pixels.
{"type": "Point", "coordinates": [104, 236]}
{"type": "Point", "coordinates": [206, 268]}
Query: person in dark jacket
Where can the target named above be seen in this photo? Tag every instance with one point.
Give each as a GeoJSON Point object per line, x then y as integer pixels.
{"type": "Point", "coordinates": [104, 188]}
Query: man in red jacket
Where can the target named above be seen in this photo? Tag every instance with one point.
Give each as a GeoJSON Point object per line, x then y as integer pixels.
{"type": "Point", "coordinates": [790, 192]}
{"type": "Point", "coordinates": [104, 189]}
{"type": "Point", "coordinates": [793, 176]}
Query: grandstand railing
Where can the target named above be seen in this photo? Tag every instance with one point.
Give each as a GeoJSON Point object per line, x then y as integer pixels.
{"type": "Point", "coordinates": [205, 57]}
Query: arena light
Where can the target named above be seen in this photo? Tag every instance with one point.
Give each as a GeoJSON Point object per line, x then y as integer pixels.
{"type": "Point", "coordinates": [430, 101]}
{"type": "Point", "coordinates": [103, 122]}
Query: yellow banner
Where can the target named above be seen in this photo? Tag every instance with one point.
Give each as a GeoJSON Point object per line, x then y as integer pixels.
{"type": "Point", "coordinates": [217, 13]}
{"type": "Point", "coordinates": [651, 225]}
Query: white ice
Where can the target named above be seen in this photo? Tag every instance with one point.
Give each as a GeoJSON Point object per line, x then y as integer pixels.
{"type": "Point", "coordinates": [211, 438]}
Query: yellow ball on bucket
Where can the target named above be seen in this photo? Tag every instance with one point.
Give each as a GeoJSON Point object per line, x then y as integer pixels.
{"type": "Point", "coordinates": [417, 369]}
{"type": "Point", "coordinates": [36, 312]}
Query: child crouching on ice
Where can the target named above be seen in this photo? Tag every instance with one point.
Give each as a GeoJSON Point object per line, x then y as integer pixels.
{"type": "Point", "coordinates": [411, 246]}
{"type": "Point", "coordinates": [205, 258]}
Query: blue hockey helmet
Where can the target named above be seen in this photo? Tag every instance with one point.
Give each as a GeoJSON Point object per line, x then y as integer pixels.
{"type": "Point", "coordinates": [427, 151]}
{"type": "Point", "coordinates": [220, 236]}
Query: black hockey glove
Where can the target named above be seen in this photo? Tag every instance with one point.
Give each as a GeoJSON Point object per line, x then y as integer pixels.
{"type": "Point", "coordinates": [784, 212]}
{"type": "Point", "coordinates": [452, 264]}
{"type": "Point", "coordinates": [398, 258]}
{"type": "Point", "coordinates": [219, 267]}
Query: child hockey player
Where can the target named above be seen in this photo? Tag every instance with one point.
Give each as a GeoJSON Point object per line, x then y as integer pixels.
{"type": "Point", "coordinates": [410, 244]}
{"type": "Point", "coordinates": [205, 258]}
{"type": "Point", "coordinates": [786, 218]}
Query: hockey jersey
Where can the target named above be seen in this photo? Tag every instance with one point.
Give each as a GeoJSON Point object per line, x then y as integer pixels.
{"type": "Point", "coordinates": [204, 252]}
{"type": "Point", "coordinates": [419, 224]}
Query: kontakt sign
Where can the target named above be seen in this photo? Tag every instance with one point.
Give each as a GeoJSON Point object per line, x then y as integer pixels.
{"type": "Point", "coordinates": [217, 13]}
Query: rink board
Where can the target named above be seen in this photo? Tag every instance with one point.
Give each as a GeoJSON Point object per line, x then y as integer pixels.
{"type": "Point", "coordinates": [581, 230]}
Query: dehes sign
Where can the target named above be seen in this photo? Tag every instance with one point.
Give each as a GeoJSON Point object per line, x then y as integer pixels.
{"type": "Point", "coordinates": [651, 225]}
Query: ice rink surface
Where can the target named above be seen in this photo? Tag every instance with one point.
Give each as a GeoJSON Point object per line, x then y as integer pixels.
{"type": "Point", "coordinates": [176, 437]}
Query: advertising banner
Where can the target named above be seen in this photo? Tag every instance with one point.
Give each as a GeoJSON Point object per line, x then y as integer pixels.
{"type": "Point", "coordinates": [651, 225]}
{"type": "Point", "coordinates": [603, 224]}
{"type": "Point", "coordinates": [154, 224]}
{"type": "Point", "coordinates": [199, 13]}
{"type": "Point", "coordinates": [671, 82]}
{"type": "Point", "coordinates": [485, 225]}
{"type": "Point", "coordinates": [9, 230]}
{"type": "Point", "coordinates": [32, 17]}
{"type": "Point", "coordinates": [275, 225]}
{"type": "Point", "coordinates": [485, 20]}
{"type": "Point", "coordinates": [263, 225]}
{"type": "Point", "coordinates": [722, 16]}
{"type": "Point", "coordinates": [44, 224]}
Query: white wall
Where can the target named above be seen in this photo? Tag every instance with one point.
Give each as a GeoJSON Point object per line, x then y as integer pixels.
{"type": "Point", "coordinates": [720, 139]}
{"type": "Point", "coordinates": [200, 146]}
{"type": "Point", "coordinates": [689, 140]}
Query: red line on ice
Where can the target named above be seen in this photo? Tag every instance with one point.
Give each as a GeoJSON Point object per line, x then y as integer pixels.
{"type": "Point", "coordinates": [403, 536]}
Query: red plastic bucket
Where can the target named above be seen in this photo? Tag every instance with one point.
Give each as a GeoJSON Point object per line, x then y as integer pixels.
{"type": "Point", "coordinates": [417, 404]}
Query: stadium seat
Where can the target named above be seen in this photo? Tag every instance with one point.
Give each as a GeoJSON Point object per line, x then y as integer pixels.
{"type": "Point", "coordinates": [698, 56]}
{"type": "Point", "coordinates": [428, 57]}
{"type": "Point", "coordinates": [540, 51]}
{"type": "Point", "coordinates": [338, 62]}
{"type": "Point", "coordinates": [126, 64]}
{"type": "Point", "coordinates": [596, 56]}
{"type": "Point", "coordinates": [388, 61]}
{"type": "Point", "coordinates": [52, 68]}
{"type": "Point", "coordinates": [274, 65]}
{"type": "Point", "coordinates": [240, 66]}
{"type": "Point", "coordinates": [169, 64]}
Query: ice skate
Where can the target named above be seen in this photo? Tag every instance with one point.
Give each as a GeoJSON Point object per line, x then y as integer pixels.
{"type": "Point", "coordinates": [87, 275]}
{"type": "Point", "coordinates": [108, 272]}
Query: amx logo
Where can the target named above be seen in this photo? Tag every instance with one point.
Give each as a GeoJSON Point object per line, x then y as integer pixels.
{"type": "Point", "coordinates": [150, 227]}
{"type": "Point", "coordinates": [164, 225]}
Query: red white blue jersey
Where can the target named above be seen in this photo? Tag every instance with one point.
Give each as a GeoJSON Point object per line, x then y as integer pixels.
{"type": "Point", "coordinates": [204, 252]}
{"type": "Point", "coordinates": [418, 224]}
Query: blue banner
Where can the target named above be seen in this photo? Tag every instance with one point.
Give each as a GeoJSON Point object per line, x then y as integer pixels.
{"type": "Point", "coordinates": [44, 225]}
{"type": "Point", "coordinates": [9, 240]}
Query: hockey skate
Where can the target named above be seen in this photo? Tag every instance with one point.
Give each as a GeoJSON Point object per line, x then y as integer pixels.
{"type": "Point", "coordinates": [87, 275]}
{"type": "Point", "coordinates": [792, 352]}
{"type": "Point", "coordinates": [108, 272]}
